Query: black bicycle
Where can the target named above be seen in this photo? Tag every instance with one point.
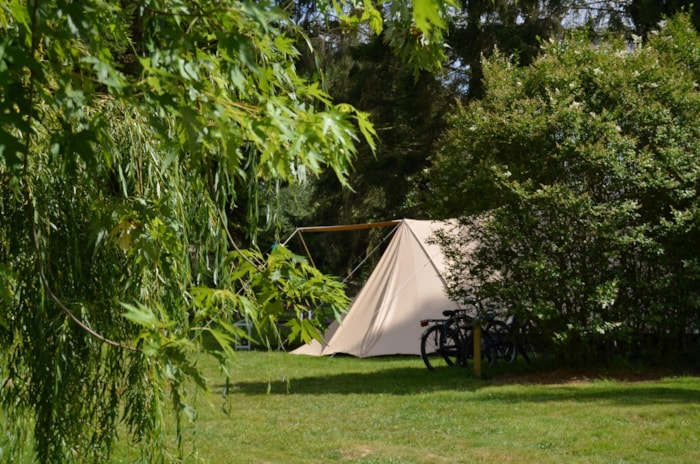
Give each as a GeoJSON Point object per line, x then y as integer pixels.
{"type": "Point", "coordinates": [499, 339]}
{"type": "Point", "coordinates": [447, 340]}
{"type": "Point", "coordinates": [451, 340]}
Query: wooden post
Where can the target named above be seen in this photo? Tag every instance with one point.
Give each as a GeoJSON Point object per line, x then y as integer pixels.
{"type": "Point", "coordinates": [477, 351]}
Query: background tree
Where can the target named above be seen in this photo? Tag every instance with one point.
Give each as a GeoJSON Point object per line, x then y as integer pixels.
{"type": "Point", "coordinates": [408, 114]}
{"type": "Point", "coordinates": [409, 109]}
{"type": "Point", "coordinates": [513, 27]}
{"type": "Point", "coordinates": [585, 169]}
{"type": "Point", "coordinates": [645, 15]}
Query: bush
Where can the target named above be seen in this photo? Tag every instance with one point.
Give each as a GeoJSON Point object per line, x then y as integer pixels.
{"type": "Point", "coordinates": [588, 164]}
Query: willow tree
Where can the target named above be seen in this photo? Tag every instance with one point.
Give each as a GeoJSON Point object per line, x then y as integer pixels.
{"type": "Point", "coordinates": [127, 129]}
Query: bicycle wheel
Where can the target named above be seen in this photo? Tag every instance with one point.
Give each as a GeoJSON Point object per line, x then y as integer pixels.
{"type": "Point", "coordinates": [490, 346]}
{"type": "Point", "coordinates": [524, 343]}
{"type": "Point", "coordinates": [508, 347]}
{"type": "Point", "coordinates": [430, 349]}
{"type": "Point", "coordinates": [439, 344]}
{"type": "Point", "coordinates": [528, 351]}
{"type": "Point", "coordinates": [510, 351]}
{"type": "Point", "coordinates": [450, 347]}
{"type": "Point", "coordinates": [467, 344]}
{"type": "Point", "coordinates": [497, 343]}
{"type": "Point", "coordinates": [510, 341]}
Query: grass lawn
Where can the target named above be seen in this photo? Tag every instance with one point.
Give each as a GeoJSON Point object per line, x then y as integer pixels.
{"type": "Point", "coordinates": [290, 409]}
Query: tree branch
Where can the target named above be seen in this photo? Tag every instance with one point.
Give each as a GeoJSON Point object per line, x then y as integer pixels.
{"type": "Point", "coordinates": [68, 312]}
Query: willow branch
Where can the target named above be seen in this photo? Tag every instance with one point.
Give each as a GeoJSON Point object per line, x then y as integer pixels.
{"type": "Point", "coordinates": [259, 267]}
{"type": "Point", "coordinates": [64, 308]}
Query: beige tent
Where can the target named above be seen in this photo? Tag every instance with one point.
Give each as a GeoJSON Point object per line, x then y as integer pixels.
{"type": "Point", "coordinates": [406, 286]}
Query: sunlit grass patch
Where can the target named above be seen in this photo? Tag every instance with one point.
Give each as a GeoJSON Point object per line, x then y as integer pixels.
{"type": "Point", "coordinates": [282, 408]}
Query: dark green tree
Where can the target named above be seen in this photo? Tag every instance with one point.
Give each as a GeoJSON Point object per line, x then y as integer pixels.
{"type": "Point", "coordinates": [647, 14]}
{"type": "Point", "coordinates": [513, 27]}
{"type": "Point", "coordinates": [409, 109]}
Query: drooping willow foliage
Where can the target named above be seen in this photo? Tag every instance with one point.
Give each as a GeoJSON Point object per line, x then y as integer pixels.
{"type": "Point", "coordinates": [126, 130]}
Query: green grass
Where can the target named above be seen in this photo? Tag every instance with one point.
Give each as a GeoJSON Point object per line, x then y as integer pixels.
{"type": "Point", "coordinates": [291, 409]}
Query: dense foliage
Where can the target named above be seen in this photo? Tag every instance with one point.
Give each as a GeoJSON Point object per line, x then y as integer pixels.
{"type": "Point", "coordinates": [129, 131]}
{"type": "Point", "coordinates": [409, 110]}
{"type": "Point", "coordinates": [579, 176]}
{"type": "Point", "coordinates": [140, 139]}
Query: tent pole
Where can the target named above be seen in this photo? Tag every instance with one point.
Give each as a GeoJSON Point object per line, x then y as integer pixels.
{"type": "Point", "coordinates": [291, 237]}
{"type": "Point", "coordinates": [308, 254]}
{"type": "Point", "coordinates": [301, 237]}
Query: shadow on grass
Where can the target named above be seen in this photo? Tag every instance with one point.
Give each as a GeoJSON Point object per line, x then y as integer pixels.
{"type": "Point", "coordinates": [411, 381]}
{"type": "Point", "coordinates": [392, 381]}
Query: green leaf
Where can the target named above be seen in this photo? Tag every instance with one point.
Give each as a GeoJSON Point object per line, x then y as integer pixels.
{"type": "Point", "coordinates": [426, 14]}
{"type": "Point", "coordinates": [373, 17]}
{"type": "Point", "coordinates": [105, 73]}
{"type": "Point", "coordinates": [143, 315]}
{"type": "Point", "coordinates": [224, 340]}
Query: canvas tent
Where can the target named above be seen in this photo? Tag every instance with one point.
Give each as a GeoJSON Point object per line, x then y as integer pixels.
{"type": "Point", "coordinates": [406, 286]}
